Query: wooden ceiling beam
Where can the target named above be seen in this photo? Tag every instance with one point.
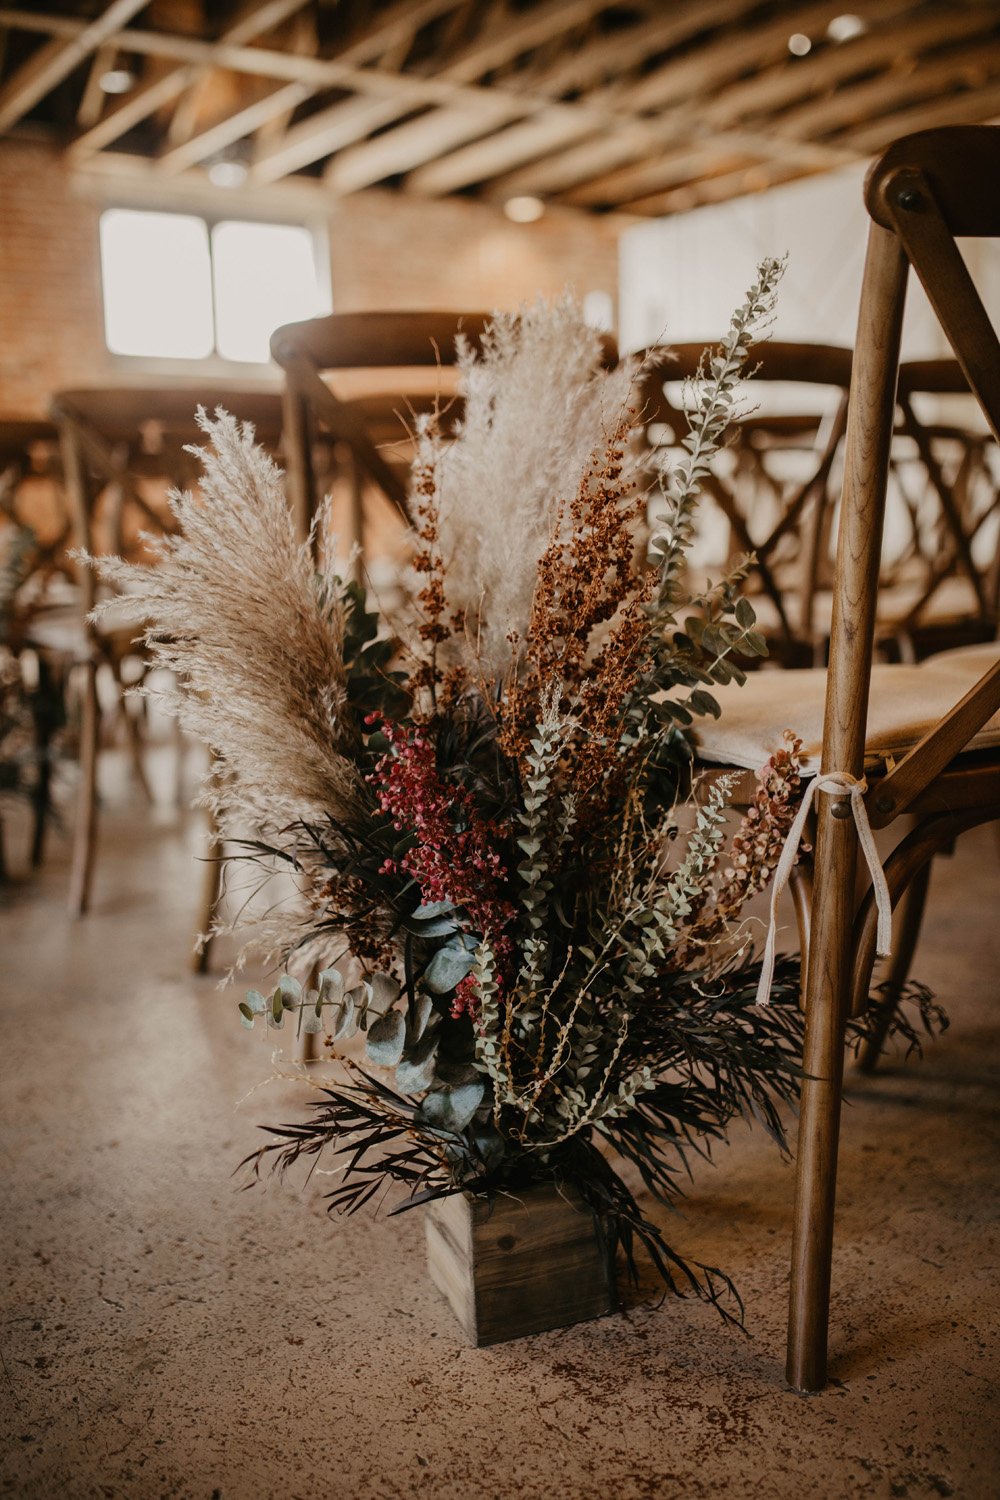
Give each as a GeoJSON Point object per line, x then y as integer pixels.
{"type": "Point", "coordinates": [93, 98]}
{"type": "Point", "coordinates": [420, 141]}
{"type": "Point", "coordinates": [806, 77]}
{"type": "Point", "coordinates": [255, 20]}
{"type": "Point", "coordinates": [304, 42]}
{"type": "Point", "coordinates": [978, 106]}
{"type": "Point", "coordinates": [516, 34]}
{"type": "Point", "coordinates": [736, 50]}
{"type": "Point", "coordinates": [393, 27]}
{"type": "Point", "coordinates": [327, 131]}
{"type": "Point", "coordinates": [56, 59]}
{"type": "Point", "coordinates": [665, 169]}
{"type": "Point", "coordinates": [414, 144]}
{"type": "Point", "coordinates": [609, 56]}
{"type": "Point", "coordinates": [600, 59]}
{"type": "Point", "coordinates": [566, 169]}
{"type": "Point", "coordinates": [163, 83]}
{"type": "Point", "coordinates": [739, 184]}
{"type": "Point", "coordinates": [215, 138]}
{"type": "Point", "coordinates": [880, 96]}
{"type": "Point", "coordinates": [547, 130]}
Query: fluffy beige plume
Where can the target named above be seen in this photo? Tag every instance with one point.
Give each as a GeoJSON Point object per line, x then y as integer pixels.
{"type": "Point", "coordinates": [537, 406]}
{"type": "Point", "coordinates": [234, 607]}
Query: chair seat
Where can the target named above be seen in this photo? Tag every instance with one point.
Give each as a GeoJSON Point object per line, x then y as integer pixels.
{"type": "Point", "coordinates": [905, 702]}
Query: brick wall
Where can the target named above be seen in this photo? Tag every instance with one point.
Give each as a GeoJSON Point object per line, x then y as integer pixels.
{"type": "Point", "coordinates": [51, 322]}
{"type": "Point", "coordinates": [391, 251]}
{"type": "Point", "coordinates": [385, 250]}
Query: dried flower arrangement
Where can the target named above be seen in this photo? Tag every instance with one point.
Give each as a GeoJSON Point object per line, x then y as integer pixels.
{"type": "Point", "coordinates": [505, 878]}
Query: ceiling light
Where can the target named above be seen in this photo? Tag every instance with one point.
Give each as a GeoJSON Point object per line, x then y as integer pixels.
{"type": "Point", "coordinates": [843, 28]}
{"type": "Point", "coordinates": [524, 210]}
{"type": "Point", "coordinates": [799, 44]}
{"type": "Point", "coordinates": [117, 81]}
{"type": "Point", "coordinates": [227, 174]}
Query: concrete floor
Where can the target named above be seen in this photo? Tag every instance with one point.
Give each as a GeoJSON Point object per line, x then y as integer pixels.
{"type": "Point", "coordinates": [164, 1334]}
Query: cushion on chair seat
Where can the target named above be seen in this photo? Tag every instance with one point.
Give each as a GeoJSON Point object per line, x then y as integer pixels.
{"type": "Point", "coordinates": [905, 702]}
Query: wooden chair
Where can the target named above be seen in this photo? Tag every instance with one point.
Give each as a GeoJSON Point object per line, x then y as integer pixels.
{"type": "Point", "coordinates": [923, 192]}
{"type": "Point", "coordinates": [31, 496]}
{"type": "Point", "coordinates": [380, 369]}
{"type": "Point", "coordinates": [944, 590]}
{"type": "Point", "coordinates": [121, 450]}
{"type": "Point", "coordinates": [778, 500]}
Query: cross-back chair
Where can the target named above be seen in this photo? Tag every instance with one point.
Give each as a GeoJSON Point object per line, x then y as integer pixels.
{"type": "Point", "coordinates": [777, 499]}
{"type": "Point", "coordinates": [122, 449]}
{"type": "Point", "coordinates": [943, 466]}
{"type": "Point", "coordinates": [353, 382]}
{"type": "Point", "coordinates": [780, 496]}
{"type": "Point", "coordinates": [892, 737]}
{"type": "Point", "coordinates": [34, 536]}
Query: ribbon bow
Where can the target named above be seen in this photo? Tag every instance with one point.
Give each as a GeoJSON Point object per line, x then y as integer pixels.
{"type": "Point", "coordinates": [839, 782]}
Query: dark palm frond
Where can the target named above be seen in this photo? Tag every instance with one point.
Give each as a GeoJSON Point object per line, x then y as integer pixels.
{"type": "Point", "coordinates": [931, 1019]}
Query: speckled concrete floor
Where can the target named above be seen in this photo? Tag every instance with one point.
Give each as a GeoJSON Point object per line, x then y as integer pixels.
{"type": "Point", "coordinates": [166, 1335]}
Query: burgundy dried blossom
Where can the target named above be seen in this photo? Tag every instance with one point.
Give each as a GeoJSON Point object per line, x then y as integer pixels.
{"type": "Point", "coordinates": [454, 858]}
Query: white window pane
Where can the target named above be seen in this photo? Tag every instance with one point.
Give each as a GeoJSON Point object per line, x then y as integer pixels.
{"type": "Point", "coordinates": [265, 275]}
{"type": "Point", "coordinates": [157, 280]}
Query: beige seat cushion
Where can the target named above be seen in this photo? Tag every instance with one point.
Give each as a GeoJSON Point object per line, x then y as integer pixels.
{"type": "Point", "coordinates": [905, 702]}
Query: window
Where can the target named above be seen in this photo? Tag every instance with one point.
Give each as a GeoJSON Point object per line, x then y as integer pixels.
{"type": "Point", "coordinates": [179, 287]}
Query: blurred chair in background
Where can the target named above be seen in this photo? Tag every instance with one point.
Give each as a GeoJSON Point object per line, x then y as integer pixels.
{"type": "Point", "coordinates": [123, 449]}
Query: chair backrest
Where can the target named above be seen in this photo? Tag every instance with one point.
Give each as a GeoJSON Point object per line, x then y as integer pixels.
{"type": "Point", "coordinates": [945, 469]}
{"type": "Point", "coordinates": [123, 447]}
{"type": "Point", "coordinates": [921, 194]}
{"type": "Point", "coordinates": [396, 351]}
{"type": "Point", "coordinates": [778, 502]}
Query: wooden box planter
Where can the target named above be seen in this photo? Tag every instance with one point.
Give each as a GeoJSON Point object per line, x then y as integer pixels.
{"type": "Point", "coordinates": [519, 1264]}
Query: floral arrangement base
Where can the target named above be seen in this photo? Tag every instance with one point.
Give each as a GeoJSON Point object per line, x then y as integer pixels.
{"type": "Point", "coordinates": [519, 1263]}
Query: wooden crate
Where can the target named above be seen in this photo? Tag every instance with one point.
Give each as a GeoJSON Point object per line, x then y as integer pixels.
{"type": "Point", "coordinates": [520, 1264]}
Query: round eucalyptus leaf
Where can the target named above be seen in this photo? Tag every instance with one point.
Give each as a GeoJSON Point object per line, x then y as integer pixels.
{"type": "Point", "coordinates": [385, 1039]}
{"type": "Point", "coordinates": [447, 968]}
{"type": "Point", "coordinates": [452, 1109]}
{"type": "Point", "coordinates": [416, 1071]}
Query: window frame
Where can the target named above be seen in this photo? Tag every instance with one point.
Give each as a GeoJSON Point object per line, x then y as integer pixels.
{"type": "Point", "coordinates": [214, 365]}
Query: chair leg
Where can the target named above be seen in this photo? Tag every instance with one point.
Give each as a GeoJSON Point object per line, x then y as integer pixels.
{"type": "Point", "coordinates": [815, 1190]}
{"type": "Point", "coordinates": [133, 735]}
{"type": "Point", "coordinates": [904, 945]}
{"type": "Point", "coordinates": [827, 1002]}
{"type": "Point", "coordinates": [85, 831]}
{"type": "Point", "coordinates": [42, 734]}
{"type": "Point", "coordinates": [211, 892]}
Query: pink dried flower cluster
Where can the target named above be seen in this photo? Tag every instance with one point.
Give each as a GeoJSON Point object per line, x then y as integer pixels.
{"type": "Point", "coordinates": [455, 857]}
{"type": "Point", "coordinates": [757, 843]}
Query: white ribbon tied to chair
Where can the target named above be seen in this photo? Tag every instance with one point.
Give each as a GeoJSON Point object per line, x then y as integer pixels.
{"type": "Point", "coordinates": [839, 783]}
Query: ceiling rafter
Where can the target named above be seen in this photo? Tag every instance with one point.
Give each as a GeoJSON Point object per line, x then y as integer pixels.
{"type": "Point", "coordinates": [876, 97]}
{"type": "Point", "coordinates": [666, 168]}
{"type": "Point", "coordinates": [420, 141]}
{"type": "Point", "coordinates": [726, 55]}
{"type": "Point", "coordinates": [56, 59]}
{"type": "Point", "coordinates": [255, 20]}
{"type": "Point", "coordinates": [594, 104]}
{"type": "Point", "coordinates": [803, 78]}
{"type": "Point", "coordinates": [738, 47]}
{"type": "Point", "coordinates": [394, 27]}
